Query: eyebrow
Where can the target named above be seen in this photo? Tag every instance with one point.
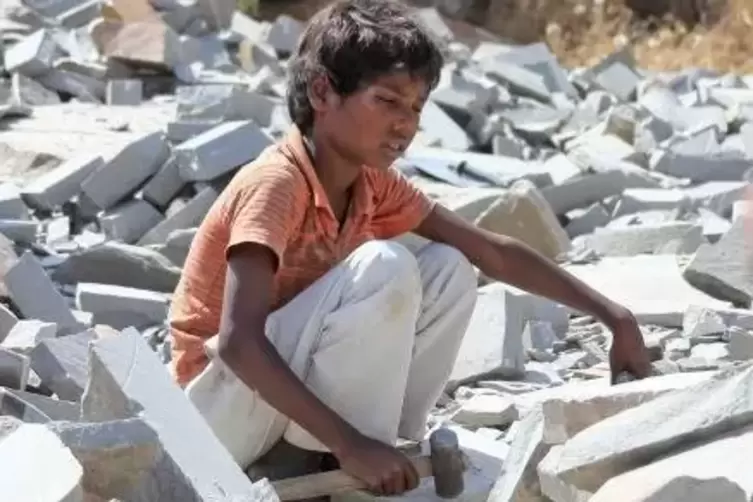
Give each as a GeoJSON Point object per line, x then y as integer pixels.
{"type": "Point", "coordinates": [396, 90]}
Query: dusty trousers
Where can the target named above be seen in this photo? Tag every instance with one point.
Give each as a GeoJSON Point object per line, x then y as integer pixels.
{"type": "Point", "coordinates": [375, 339]}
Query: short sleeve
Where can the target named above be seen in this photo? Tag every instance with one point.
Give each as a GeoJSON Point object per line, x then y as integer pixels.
{"type": "Point", "coordinates": [265, 208]}
{"type": "Point", "coordinates": [399, 206]}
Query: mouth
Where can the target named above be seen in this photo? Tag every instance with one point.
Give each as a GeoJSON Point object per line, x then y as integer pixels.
{"type": "Point", "coordinates": [395, 148]}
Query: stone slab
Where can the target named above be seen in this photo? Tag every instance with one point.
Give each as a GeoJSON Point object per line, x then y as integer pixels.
{"type": "Point", "coordinates": [128, 380]}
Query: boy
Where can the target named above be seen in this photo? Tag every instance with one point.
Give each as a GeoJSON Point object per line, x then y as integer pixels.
{"type": "Point", "coordinates": [324, 335]}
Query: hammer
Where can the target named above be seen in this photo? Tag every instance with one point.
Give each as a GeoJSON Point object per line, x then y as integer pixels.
{"type": "Point", "coordinates": [445, 462]}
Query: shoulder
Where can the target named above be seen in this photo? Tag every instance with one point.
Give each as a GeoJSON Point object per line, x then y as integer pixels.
{"type": "Point", "coordinates": [272, 177]}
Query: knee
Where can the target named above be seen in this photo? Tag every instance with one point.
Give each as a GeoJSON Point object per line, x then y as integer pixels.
{"type": "Point", "coordinates": [442, 259]}
{"type": "Point", "coordinates": [386, 260]}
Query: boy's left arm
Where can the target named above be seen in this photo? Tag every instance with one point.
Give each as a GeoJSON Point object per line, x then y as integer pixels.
{"type": "Point", "coordinates": [510, 260]}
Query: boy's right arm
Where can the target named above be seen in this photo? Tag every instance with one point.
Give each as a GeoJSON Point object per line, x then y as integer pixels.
{"type": "Point", "coordinates": [246, 350]}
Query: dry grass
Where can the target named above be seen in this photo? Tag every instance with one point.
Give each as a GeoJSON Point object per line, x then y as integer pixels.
{"type": "Point", "coordinates": [580, 32]}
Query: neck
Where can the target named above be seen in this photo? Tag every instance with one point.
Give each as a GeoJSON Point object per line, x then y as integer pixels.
{"type": "Point", "coordinates": [335, 172]}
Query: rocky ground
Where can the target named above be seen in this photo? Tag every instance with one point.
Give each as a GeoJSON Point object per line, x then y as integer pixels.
{"type": "Point", "coordinates": [119, 126]}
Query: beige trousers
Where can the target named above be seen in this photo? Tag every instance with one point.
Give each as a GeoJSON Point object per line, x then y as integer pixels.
{"type": "Point", "coordinates": [375, 339]}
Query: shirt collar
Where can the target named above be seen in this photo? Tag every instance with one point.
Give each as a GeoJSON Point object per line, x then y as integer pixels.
{"type": "Point", "coordinates": [296, 148]}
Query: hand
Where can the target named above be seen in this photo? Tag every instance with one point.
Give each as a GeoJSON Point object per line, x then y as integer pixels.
{"type": "Point", "coordinates": [384, 469]}
{"type": "Point", "coordinates": [628, 351]}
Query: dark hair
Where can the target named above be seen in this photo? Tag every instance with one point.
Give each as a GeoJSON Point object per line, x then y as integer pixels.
{"type": "Point", "coordinates": [352, 42]}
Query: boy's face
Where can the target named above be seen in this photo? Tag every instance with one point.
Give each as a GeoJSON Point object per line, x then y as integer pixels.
{"type": "Point", "coordinates": [374, 125]}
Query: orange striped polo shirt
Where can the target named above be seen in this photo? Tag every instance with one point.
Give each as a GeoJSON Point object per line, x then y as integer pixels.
{"type": "Point", "coordinates": [278, 201]}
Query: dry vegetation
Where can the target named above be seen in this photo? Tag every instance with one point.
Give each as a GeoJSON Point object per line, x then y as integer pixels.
{"type": "Point", "coordinates": [667, 34]}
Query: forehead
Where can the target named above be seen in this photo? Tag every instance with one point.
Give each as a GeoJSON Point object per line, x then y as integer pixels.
{"type": "Point", "coordinates": [403, 83]}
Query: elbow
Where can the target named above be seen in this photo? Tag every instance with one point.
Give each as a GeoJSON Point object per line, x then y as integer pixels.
{"type": "Point", "coordinates": [498, 259]}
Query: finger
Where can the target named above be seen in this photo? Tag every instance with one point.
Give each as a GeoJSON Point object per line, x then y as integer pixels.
{"type": "Point", "coordinates": [412, 479]}
{"type": "Point", "coordinates": [388, 487]}
{"type": "Point", "coordinates": [398, 481]}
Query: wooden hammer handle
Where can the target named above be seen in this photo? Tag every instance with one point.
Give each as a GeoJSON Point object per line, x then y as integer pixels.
{"type": "Point", "coordinates": [333, 482]}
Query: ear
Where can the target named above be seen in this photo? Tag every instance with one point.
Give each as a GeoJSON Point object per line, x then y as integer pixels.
{"type": "Point", "coordinates": [320, 93]}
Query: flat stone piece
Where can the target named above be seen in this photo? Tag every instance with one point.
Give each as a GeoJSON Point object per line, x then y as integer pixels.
{"type": "Point", "coordinates": [35, 295]}
{"type": "Point", "coordinates": [523, 213]}
{"type": "Point", "coordinates": [518, 480]}
{"type": "Point", "coordinates": [128, 169]}
{"type": "Point", "coordinates": [52, 189]}
{"type": "Point", "coordinates": [127, 380]}
{"type": "Point", "coordinates": [637, 436]}
{"type": "Point", "coordinates": [723, 270]}
{"type": "Point", "coordinates": [493, 343]}
{"type": "Point", "coordinates": [220, 150]}
{"type": "Point", "coordinates": [14, 369]}
{"type": "Point", "coordinates": [20, 478]}
{"type": "Point", "coordinates": [715, 470]}
{"type": "Point", "coordinates": [652, 287]}
{"type": "Point", "coordinates": [115, 455]}
{"type": "Point", "coordinates": [62, 364]}
{"type": "Point", "coordinates": [119, 264]}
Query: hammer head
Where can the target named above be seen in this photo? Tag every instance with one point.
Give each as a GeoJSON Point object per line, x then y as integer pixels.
{"type": "Point", "coordinates": [447, 463]}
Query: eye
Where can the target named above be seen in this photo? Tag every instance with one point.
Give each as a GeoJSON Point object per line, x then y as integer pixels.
{"type": "Point", "coordinates": [387, 100]}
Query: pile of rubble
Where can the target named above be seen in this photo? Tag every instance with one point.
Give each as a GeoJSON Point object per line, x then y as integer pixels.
{"type": "Point", "coordinates": [122, 122]}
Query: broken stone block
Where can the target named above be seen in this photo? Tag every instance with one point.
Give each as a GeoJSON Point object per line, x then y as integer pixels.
{"type": "Point", "coordinates": [616, 74]}
{"type": "Point", "coordinates": [27, 91]}
{"type": "Point", "coordinates": [520, 80]}
{"type": "Point", "coordinates": [714, 470]}
{"type": "Point", "coordinates": [128, 380]}
{"type": "Point", "coordinates": [284, 33]}
{"type": "Point", "coordinates": [189, 216]}
{"type": "Point", "coordinates": [62, 365]}
{"type": "Point", "coordinates": [699, 322]}
{"type": "Point", "coordinates": [11, 205]}
{"type": "Point", "coordinates": [435, 123]}
{"type": "Point", "coordinates": [36, 408]}
{"type": "Point", "coordinates": [83, 87]}
{"type": "Point", "coordinates": [644, 239]}
{"type": "Point", "coordinates": [585, 221]}
{"type": "Point", "coordinates": [22, 231]}
{"type": "Point", "coordinates": [486, 410]}
{"type": "Point", "coordinates": [718, 166]}
{"type": "Point", "coordinates": [20, 478]}
{"type": "Point", "coordinates": [35, 295]}
{"type": "Point", "coordinates": [524, 214]}
{"type": "Point", "coordinates": [740, 344]}
{"type": "Point", "coordinates": [493, 343]}
{"type": "Point", "coordinates": [722, 270]}
{"type": "Point", "coordinates": [573, 408]}
{"type": "Point", "coordinates": [538, 340]}
{"type": "Point", "coordinates": [27, 333]}
{"type": "Point", "coordinates": [147, 42]}
{"type": "Point", "coordinates": [14, 369]}
{"type": "Point", "coordinates": [122, 175]}
{"type": "Point", "coordinates": [639, 435]}
{"type": "Point", "coordinates": [678, 348]}
{"type": "Point", "coordinates": [107, 298]}
{"type": "Point", "coordinates": [163, 186]}
{"type": "Point", "coordinates": [695, 364]}
{"type": "Point", "coordinates": [129, 221]}
{"type": "Point", "coordinates": [55, 187]}
{"type": "Point", "coordinates": [715, 352]}
{"type": "Point", "coordinates": [583, 191]}
{"type": "Point", "coordinates": [7, 320]}
{"type": "Point", "coordinates": [34, 55]}
{"type": "Point", "coordinates": [651, 286]}
{"type": "Point", "coordinates": [119, 264]}
{"type": "Point", "coordinates": [115, 455]}
{"type": "Point", "coordinates": [128, 92]}
{"type": "Point", "coordinates": [519, 480]}
{"type": "Point", "coordinates": [220, 150]}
